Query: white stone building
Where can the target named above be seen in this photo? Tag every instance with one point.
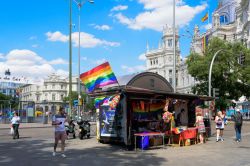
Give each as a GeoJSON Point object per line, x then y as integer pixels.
{"type": "Point", "coordinates": [160, 61]}
{"type": "Point", "coordinates": [48, 96]}
{"type": "Point", "coordinates": [230, 21]}
{"type": "Point", "coordinates": [243, 22]}
{"type": "Point", "coordinates": [223, 26]}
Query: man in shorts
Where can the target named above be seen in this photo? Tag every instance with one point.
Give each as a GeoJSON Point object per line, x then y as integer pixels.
{"type": "Point", "coordinates": [60, 133]}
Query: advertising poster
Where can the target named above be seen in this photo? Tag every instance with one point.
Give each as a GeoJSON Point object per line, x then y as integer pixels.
{"type": "Point", "coordinates": [107, 120]}
{"type": "Point", "coordinates": [30, 112]}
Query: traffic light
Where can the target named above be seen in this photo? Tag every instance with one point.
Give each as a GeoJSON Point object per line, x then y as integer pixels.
{"type": "Point", "coordinates": [80, 102]}
{"type": "Point", "coordinates": [216, 93]}
{"type": "Point", "coordinates": [241, 59]}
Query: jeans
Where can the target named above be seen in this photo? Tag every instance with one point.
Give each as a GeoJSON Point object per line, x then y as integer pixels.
{"type": "Point", "coordinates": [16, 133]}
{"type": "Point", "coordinates": [238, 132]}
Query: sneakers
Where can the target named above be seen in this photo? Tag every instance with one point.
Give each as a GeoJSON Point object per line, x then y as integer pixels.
{"type": "Point", "coordinates": [54, 154]}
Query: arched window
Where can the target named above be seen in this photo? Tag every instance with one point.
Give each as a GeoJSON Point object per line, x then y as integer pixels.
{"type": "Point", "coordinates": [224, 19]}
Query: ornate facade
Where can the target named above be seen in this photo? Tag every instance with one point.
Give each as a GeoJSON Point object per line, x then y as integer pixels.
{"type": "Point", "coordinates": [230, 21]}
{"type": "Point", "coordinates": [50, 94]}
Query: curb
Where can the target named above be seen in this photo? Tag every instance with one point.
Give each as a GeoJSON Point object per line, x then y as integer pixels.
{"type": "Point", "coordinates": [26, 127]}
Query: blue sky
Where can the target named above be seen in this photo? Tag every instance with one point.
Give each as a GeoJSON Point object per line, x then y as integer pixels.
{"type": "Point", "coordinates": [34, 34]}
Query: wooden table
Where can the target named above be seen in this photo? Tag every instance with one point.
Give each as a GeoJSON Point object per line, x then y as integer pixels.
{"type": "Point", "coordinates": [143, 135]}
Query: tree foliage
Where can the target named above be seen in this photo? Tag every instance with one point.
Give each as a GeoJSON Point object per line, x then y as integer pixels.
{"type": "Point", "coordinates": [231, 78]}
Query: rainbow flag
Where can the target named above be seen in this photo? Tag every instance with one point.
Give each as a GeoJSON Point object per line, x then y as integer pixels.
{"type": "Point", "coordinates": [98, 101]}
{"type": "Point", "coordinates": [98, 77]}
{"type": "Point", "coordinates": [204, 42]}
{"type": "Point", "coordinates": [205, 17]}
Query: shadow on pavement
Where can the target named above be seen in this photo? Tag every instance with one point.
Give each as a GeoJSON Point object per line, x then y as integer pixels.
{"type": "Point", "coordinates": [39, 152]}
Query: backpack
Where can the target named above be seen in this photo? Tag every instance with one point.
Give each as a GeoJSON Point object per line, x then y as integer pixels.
{"type": "Point", "coordinates": [238, 119]}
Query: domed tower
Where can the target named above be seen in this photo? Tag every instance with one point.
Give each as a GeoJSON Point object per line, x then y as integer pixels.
{"type": "Point", "coordinates": [225, 13]}
{"type": "Point", "coordinates": [167, 39]}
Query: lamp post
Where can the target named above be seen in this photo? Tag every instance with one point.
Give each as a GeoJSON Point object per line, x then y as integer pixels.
{"type": "Point", "coordinates": [210, 71]}
{"type": "Point", "coordinates": [70, 55]}
{"type": "Point", "coordinates": [174, 51]}
{"type": "Point", "coordinates": [79, 5]}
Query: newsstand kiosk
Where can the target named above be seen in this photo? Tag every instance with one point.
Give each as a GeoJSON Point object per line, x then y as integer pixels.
{"type": "Point", "coordinates": [137, 105]}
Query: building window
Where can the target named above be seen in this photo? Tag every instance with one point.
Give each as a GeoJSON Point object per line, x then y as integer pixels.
{"type": "Point", "coordinates": [46, 86]}
{"type": "Point", "coordinates": [223, 19]}
{"type": "Point", "coordinates": [156, 61]}
{"type": "Point", "coordinates": [53, 97]}
{"type": "Point", "coordinates": [170, 72]}
{"type": "Point", "coordinates": [46, 96]}
{"type": "Point", "coordinates": [37, 98]}
{"type": "Point", "coordinates": [171, 80]}
{"type": "Point", "coordinates": [61, 96]}
{"type": "Point", "coordinates": [225, 37]}
{"type": "Point", "coordinates": [37, 87]}
{"type": "Point", "coordinates": [151, 62]}
{"type": "Point", "coordinates": [53, 86]}
{"type": "Point", "coordinates": [170, 42]}
{"type": "Point", "coordinates": [61, 86]}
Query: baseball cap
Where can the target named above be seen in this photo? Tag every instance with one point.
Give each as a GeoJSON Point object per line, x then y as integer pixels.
{"type": "Point", "coordinates": [238, 110]}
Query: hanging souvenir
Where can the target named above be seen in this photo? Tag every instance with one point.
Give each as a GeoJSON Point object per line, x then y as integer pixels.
{"type": "Point", "coordinates": [166, 105]}
{"type": "Point", "coordinates": [115, 100]}
{"type": "Point", "coordinates": [167, 116]}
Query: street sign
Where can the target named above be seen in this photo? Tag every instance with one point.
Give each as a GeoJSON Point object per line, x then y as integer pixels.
{"type": "Point", "coordinates": [75, 102]}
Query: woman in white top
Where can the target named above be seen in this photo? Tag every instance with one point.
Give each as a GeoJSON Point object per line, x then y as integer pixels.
{"type": "Point", "coordinates": [15, 124]}
{"type": "Point", "coordinates": [219, 120]}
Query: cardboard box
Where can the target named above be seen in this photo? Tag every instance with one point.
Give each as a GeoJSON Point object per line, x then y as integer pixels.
{"type": "Point", "coordinates": [154, 141]}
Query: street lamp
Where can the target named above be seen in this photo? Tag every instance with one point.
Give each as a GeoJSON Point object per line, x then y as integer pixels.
{"type": "Point", "coordinates": [79, 4]}
{"type": "Point", "coordinates": [174, 51]}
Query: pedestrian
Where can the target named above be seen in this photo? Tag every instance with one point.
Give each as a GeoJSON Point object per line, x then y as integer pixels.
{"type": "Point", "coordinates": [238, 120]}
{"type": "Point", "coordinates": [58, 121]}
{"type": "Point", "coordinates": [15, 121]}
{"type": "Point", "coordinates": [219, 120]}
{"type": "Point", "coordinates": [201, 127]}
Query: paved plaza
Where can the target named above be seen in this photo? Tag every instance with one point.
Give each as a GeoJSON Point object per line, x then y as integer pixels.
{"type": "Point", "coordinates": [36, 144]}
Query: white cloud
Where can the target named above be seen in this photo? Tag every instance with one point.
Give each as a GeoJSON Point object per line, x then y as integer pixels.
{"type": "Point", "coordinates": [102, 27]}
{"type": "Point", "coordinates": [87, 40]}
{"type": "Point", "coordinates": [34, 45]}
{"type": "Point", "coordinates": [133, 69]}
{"type": "Point", "coordinates": [142, 57]}
{"type": "Point", "coordinates": [1, 56]}
{"type": "Point", "coordinates": [28, 64]}
{"type": "Point", "coordinates": [58, 61]}
{"type": "Point", "coordinates": [158, 13]}
{"type": "Point", "coordinates": [207, 26]}
{"type": "Point", "coordinates": [32, 38]}
{"type": "Point", "coordinates": [119, 8]}
{"type": "Point", "coordinates": [84, 58]}
{"type": "Point", "coordinates": [100, 61]}
{"type": "Point", "coordinates": [56, 36]}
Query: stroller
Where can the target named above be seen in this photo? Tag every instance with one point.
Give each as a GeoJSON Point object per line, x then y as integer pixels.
{"type": "Point", "coordinates": [70, 129]}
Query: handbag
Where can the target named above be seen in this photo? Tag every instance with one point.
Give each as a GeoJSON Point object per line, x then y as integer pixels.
{"type": "Point", "coordinates": [11, 131]}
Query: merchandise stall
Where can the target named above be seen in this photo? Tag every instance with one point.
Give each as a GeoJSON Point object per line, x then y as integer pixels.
{"type": "Point", "coordinates": [144, 106]}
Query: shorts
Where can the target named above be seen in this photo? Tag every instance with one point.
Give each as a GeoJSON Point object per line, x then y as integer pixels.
{"type": "Point", "coordinates": [219, 128]}
{"type": "Point", "coordinates": [60, 135]}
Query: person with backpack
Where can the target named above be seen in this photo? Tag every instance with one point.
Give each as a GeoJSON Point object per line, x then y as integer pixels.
{"type": "Point", "coordinates": [238, 124]}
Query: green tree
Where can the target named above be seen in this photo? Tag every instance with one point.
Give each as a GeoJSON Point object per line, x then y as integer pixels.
{"type": "Point", "coordinates": [232, 78]}
{"type": "Point", "coordinates": [6, 101]}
